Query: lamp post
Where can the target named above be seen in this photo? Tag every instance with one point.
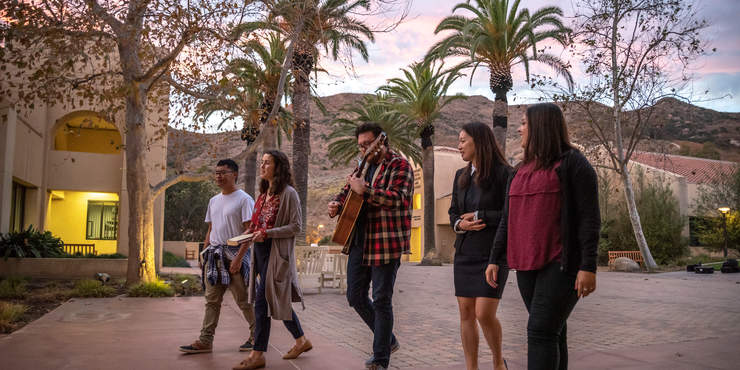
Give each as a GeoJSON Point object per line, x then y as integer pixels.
{"type": "Point", "coordinates": [724, 211]}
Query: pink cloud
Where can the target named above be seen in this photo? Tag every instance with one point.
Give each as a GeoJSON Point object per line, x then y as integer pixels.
{"type": "Point", "coordinates": [413, 38]}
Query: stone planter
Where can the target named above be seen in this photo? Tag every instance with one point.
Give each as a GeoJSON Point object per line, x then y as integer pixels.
{"type": "Point", "coordinates": [63, 268]}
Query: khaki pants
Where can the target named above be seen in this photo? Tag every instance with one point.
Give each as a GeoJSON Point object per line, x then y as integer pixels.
{"type": "Point", "coordinates": [214, 297]}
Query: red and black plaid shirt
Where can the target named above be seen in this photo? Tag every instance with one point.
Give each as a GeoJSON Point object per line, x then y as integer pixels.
{"type": "Point", "coordinates": [388, 201]}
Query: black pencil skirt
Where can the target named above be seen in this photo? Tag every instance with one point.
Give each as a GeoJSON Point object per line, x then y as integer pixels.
{"type": "Point", "coordinates": [470, 277]}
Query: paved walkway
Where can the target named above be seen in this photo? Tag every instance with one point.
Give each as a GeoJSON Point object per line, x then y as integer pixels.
{"type": "Point", "coordinates": [627, 312]}
{"type": "Point", "coordinates": [633, 321]}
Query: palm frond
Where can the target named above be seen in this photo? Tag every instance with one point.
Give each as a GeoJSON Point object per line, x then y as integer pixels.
{"type": "Point", "coordinates": [401, 132]}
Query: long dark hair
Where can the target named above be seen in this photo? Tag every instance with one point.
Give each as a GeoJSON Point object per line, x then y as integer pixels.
{"type": "Point", "coordinates": [487, 153]}
{"type": "Point", "coordinates": [282, 178]}
{"type": "Point", "coordinates": [548, 135]}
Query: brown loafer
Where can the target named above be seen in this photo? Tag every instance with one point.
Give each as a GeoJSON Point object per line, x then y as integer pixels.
{"type": "Point", "coordinates": [197, 347]}
{"type": "Point", "coordinates": [297, 350]}
{"type": "Point", "coordinates": [249, 364]}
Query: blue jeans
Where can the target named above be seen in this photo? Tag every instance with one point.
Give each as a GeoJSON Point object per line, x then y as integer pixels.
{"type": "Point", "coordinates": [378, 313]}
{"type": "Point", "coordinates": [550, 297]}
{"type": "Point", "coordinates": [262, 329]}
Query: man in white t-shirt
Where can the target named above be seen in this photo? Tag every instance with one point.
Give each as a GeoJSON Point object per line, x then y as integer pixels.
{"type": "Point", "coordinates": [229, 214]}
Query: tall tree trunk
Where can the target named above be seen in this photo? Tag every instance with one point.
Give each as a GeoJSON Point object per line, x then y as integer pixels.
{"type": "Point", "coordinates": [500, 82]}
{"type": "Point", "coordinates": [629, 195]}
{"type": "Point", "coordinates": [268, 130]}
{"type": "Point", "coordinates": [431, 255]}
{"type": "Point", "coordinates": [269, 141]}
{"type": "Point", "coordinates": [141, 266]}
{"type": "Point", "coordinates": [301, 139]}
{"type": "Point", "coordinates": [250, 173]}
{"type": "Point", "coordinates": [628, 190]}
{"type": "Point", "coordinates": [500, 120]}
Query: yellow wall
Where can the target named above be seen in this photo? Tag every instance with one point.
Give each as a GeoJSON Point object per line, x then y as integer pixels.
{"type": "Point", "coordinates": [86, 132]}
{"type": "Point", "coordinates": [415, 245]}
{"type": "Point", "coordinates": [67, 218]}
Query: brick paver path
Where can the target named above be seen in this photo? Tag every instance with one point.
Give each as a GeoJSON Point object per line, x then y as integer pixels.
{"type": "Point", "coordinates": [627, 310]}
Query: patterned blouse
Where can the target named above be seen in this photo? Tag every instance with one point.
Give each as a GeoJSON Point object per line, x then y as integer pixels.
{"type": "Point", "coordinates": [265, 213]}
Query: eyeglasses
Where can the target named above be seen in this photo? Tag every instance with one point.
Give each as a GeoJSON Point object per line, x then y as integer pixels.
{"type": "Point", "coordinates": [364, 146]}
{"type": "Point", "coordinates": [221, 173]}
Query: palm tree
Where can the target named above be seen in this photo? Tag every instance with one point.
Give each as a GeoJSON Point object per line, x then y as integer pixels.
{"type": "Point", "coordinates": [326, 23]}
{"type": "Point", "coordinates": [248, 92]}
{"type": "Point", "coordinates": [500, 37]}
{"type": "Point", "coordinates": [263, 71]}
{"type": "Point", "coordinates": [421, 96]}
{"type": "Point", "coordinates": [379, 109]}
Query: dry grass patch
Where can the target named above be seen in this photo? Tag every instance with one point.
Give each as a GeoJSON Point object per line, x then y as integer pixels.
{"type": "Point", "coordinates": [10, 313]}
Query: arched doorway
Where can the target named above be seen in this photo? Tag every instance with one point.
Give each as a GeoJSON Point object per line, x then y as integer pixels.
{"type": "Point", "coordinates": [83, 198]}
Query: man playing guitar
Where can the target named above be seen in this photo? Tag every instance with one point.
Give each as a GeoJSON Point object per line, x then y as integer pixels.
{"type": "Point", "coordinates": [381, 234]}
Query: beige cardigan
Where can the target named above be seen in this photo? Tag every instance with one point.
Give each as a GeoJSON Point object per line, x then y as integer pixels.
{"type": "Point", "coordinates": [281, 287]}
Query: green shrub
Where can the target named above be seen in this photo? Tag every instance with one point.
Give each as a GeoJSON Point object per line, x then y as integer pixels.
{"type": "Point", "coordinates": [661, 221]}
{"type": "Point", "coordinates": [92, 289]}
{"type": "Point", "coordinates": [725, 192]}
{"type": "Point", "coordinates": [186, 285]}
{"type": "Point", "coordinates": [10, 313]}
{"type": "Point", "coordinates": [182, 201]}
{"type": "Point", "coordinates": [152, 289]}
{"type": "Point", "coordinates": [171, 260]}
{"type": "Point", "coordinates": [13, 288]}
{"type": "Point", "coordinates": [30, 243]}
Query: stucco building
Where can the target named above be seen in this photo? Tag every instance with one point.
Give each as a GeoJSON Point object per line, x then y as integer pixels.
{"type": "Point", "coordinates": [64, 170]}
{"type": "Point", "coordinates": [684, 175]}
{"type": "Point", "coordinates": [446, 162]}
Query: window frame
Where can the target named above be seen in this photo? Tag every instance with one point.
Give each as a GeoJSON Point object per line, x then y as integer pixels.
{"type": "Point", "coordinates": [17, 206]}
{"type": "Point", "coordinates": [101, 231]}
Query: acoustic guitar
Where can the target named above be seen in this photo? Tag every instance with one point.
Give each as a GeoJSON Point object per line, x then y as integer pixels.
{"type": "Point", "coordinates": [353, 202]}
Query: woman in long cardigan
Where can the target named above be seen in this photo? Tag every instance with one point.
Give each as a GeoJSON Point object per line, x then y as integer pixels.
{"type": "Point", "coordinates": [478, 195]}
{"type": "Point", "coordinates": [549, 233]}
{"type": "Point", "coordinates": [275, 223]}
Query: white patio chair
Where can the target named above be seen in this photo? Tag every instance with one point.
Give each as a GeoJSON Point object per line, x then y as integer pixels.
{"type": "Point", "coordinates": [309, 262]}
{"type": "Point", "coordinates": [335, 270]}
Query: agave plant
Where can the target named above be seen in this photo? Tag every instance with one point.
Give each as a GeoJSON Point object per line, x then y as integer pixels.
{"type": "Point", "coordinates": [31, 243]}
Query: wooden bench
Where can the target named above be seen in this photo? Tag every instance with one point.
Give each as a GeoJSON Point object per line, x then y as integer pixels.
{"type": "Point", "coordinates": [80, 248]}
{"type": "Point", "coordinates": [633, 255]}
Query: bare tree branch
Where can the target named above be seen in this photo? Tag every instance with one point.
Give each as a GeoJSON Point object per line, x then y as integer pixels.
{"type": "Point", "coordinates": [165, 62]}
{"type": "Point", "coordinates": [158, 189]}
{"type": "Point", "coordinates": [98, 10]}
{"type": "Point", "coordinates": [188, 91]}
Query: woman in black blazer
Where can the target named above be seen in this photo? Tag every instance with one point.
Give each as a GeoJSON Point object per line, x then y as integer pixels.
{"type": "Point", "coordinates": [478, 195]}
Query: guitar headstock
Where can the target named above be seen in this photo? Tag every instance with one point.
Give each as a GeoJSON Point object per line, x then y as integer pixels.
{"type": "Point", "coordinates": [374, 149]}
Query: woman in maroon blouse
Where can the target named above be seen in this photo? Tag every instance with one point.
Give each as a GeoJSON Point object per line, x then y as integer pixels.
{"type": "Point", "coordinates": [549, 233]}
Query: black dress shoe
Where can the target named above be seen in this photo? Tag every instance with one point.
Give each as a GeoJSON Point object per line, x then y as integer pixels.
{"type": "Point", "coordinates": [394, 347]}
